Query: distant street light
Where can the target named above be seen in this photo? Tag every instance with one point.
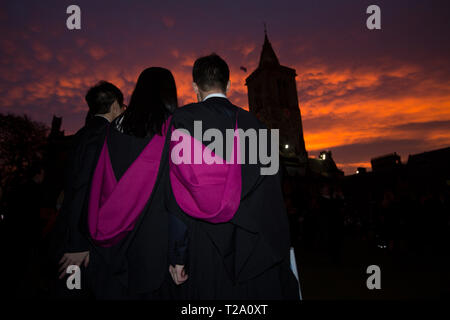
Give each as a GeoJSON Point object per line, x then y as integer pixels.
{"type": "Point", "coordinates": [286, 146]}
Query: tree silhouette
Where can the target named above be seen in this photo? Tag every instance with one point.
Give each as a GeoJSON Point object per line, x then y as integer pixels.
{"type": "Point", "coordinates": [22, 143]}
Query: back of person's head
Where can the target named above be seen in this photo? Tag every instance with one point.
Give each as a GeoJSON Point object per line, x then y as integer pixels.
{"type": "Point", "coordinates": [153, 100]}
{"type": "Point", "coordinates": [101, 97]}
{"type": "Point", "coordinates": [211, 73]}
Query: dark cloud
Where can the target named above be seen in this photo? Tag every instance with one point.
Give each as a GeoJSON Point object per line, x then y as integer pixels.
{"type": "Point", "coordinates": [424, 126]}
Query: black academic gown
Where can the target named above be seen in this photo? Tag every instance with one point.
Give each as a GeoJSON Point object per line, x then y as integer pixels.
{"type": "Point", "coordinates": [137, 266]}
{"type": "Point", "coordinates": [70, 231]}
{"type": "Point", "coordinates": [247, 257]}
{"type": "Point", "coordinates": [82, 159]}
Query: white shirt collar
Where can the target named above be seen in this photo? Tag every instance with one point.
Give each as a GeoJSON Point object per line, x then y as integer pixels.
{"type": "Point", "coordinates": [221, 95]}
{"type": "Point", "coordinates": [100, 115]}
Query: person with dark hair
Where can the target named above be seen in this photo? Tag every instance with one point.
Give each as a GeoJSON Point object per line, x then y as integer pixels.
{"type": "Point", "coordinates": [69, 241]}
{"type": "Point", "coordinates": [153, 100]}
{"type": "Point", "coordinates": [211, 75]}
{"type": "Point", "coordinates": [134, 237]}
{"type": "Point", "coordinates": [104, 100]}
{"type": "Point", "coordinates": [238, 227]}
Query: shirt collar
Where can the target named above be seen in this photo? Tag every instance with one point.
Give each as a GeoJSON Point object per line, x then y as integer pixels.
{"type": "Point", "coordinates": [100, 115]}
{"type": "Point", "coordinates": [212, 95]}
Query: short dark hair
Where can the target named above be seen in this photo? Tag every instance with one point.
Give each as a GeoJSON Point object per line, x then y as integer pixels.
{"type": "Point", "coordinates": [211, 72]}
{"type": "Point", "coordinates": [101, 96]}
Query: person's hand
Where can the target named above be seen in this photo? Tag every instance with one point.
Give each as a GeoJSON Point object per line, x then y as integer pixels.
{"type": "Point", "coordinates": [178, 274]}
{"type": "Point", "coordinates": [73, 258]}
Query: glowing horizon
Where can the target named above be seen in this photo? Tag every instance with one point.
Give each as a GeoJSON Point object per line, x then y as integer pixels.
{"type": "Point", "coordinates": [361, 93]}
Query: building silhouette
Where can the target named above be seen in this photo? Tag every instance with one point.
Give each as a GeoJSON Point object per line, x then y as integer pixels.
{"type": "Point", "coordinates": [386, 163]}
{"type": "Point", "coordinates": [272, 97]}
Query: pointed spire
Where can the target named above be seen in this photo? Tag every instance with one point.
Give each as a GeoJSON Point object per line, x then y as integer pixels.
{"type": "Point", "coordinates": [268, 56]}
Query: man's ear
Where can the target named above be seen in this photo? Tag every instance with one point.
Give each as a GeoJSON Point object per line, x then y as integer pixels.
{"type": "Point", "coordinates": [228, 87]}
{"type": "Point", "coordinates": [195, 87]}
{"type": "Point", "coordinates": [115, 108]}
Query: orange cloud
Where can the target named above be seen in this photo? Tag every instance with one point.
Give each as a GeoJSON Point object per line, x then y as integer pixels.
{"type": "Point", "coordinates": [96, 52]}
{"type": "Point", "coordinates": [341, 106]}
{"type": "Point", "coordinates": [42, 53]}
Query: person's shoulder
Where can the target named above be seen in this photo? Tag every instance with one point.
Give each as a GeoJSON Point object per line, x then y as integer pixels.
{"type": "Point", "coordinates": [190, 108]}
{"type": "Point", "coordinates": [91, 131]}
{"type": "Point", "coordinates": [96, 126]}
{"type": "Point", "coordinates": [189, 112]}
{"type": "Point", "coordinates": [97, 122]}
{"type": "Point", "coordinates": [249, 120]}
{"type": "Point", "coordinates": [79, 135]}
{"type": "Point", "coordinates": [201, 110]}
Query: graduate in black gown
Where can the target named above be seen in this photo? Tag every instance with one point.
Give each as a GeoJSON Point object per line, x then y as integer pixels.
{"type": "Point", "coordinates": [69, 241]}
{"type": "Point", "coordinates": [135, 240]}
{"type": "Point", "coordinates": [237, 223]}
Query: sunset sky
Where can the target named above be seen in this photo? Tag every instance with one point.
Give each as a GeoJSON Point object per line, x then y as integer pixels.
{"type": "Point", "coordinates": [362, 93]}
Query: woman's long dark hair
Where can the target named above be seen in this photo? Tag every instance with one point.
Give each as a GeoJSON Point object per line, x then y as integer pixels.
{"type": "Point", "coordinates": [153, 100]}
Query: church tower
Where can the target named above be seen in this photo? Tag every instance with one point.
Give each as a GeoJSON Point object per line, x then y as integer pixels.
{"type": "Point", "coordinates": [273, 99]}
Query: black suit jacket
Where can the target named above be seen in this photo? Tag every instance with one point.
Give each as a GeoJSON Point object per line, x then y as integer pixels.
{"type": "Point", "coordinates": [247, 257]}
{"type": "Point", "coordinates": [82, 160]}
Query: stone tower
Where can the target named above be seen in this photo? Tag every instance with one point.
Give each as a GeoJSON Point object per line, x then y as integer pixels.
{"type": "Point", "coordinates": [272, 97]}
